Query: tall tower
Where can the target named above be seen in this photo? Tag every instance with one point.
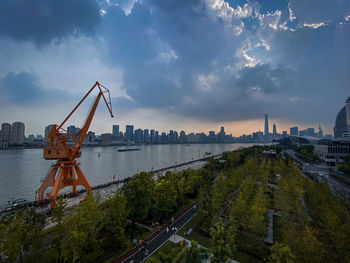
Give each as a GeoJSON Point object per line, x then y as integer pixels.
{"type": "Point", "coordinates": [274, 130]}
{"type": "Point", "coordinates": [266, 125]}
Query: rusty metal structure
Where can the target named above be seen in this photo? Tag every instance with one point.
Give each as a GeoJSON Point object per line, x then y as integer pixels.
{"type": "Point", "coordinates": [66, 148]}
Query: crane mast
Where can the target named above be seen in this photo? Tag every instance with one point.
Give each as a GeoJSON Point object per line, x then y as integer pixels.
{"type": "Point", "coordinates": [65, 148]}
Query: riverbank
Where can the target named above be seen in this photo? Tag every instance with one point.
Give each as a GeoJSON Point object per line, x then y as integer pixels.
{"type": "Point", "coordinates": [107, 189]}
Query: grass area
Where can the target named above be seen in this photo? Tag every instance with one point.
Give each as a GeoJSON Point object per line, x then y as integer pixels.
{"type": "Point", "coordinates": [277, 233]}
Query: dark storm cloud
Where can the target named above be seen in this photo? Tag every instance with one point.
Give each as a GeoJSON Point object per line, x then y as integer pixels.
{"type": "Point", "coordinates": [163, 46]}
{"type": "Point", "coordinates": [182, 56]}
{"type": "Point", "coordinates": [201, 58]}
{"type": "Point", "coordinates": [247, 95]}
{"type": "Point", "coordinates": [25, 88]}
{"type": "Point", "coordinates": [42, 21]}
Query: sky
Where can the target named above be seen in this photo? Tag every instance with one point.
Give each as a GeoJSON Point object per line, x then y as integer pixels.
{"type": "Point", "coordinates": [194, 65]}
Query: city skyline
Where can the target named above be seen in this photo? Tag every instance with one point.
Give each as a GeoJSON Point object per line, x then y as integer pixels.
{"type": "Point", "coordinates": [202, 64]}
{"type": "Point", "coordinates": [133, 133]}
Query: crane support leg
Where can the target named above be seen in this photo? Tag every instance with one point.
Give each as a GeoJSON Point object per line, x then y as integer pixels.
{"type": "Point", "coordinates": [60, 175]}
{"type": "Point", "coordinates": [82, 179]}
{"type": "Point", "coordinates": [47, 182]}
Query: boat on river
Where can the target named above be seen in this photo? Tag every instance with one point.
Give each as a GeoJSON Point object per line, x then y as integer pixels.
{"type": "Point", "coordinates": [129, 149]}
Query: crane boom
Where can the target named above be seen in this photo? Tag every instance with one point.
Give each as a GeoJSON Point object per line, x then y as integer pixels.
{"type": "Point", "coordinates": [66, 147]}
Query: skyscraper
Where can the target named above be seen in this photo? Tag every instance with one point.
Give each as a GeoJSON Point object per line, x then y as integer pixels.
{"type": "Point", "coordinates": [266, 125]}
{"type": "Point", "coordinates": [274, 131]}
{"type": "Point", "coordinates": [138, 137]}
{"type": "Point", "coordinates": [146, 135]}
{"type": "Point", "coordinates": [152, 136]}
{"type": "Point", "coordinates": [115, 131]}
{"type": "Point", "coordinates": [294, 131]}
{"type": "Point", "coordinates": [47, 130]}
{"type": "Point", "coordinates": [6, 132]}
{"type": "Point", "coordinates": [17, 133]}
{"type": "Point", "coordinates": [320, 131]}
{"type": "Point", "coordinates": [129, 132]}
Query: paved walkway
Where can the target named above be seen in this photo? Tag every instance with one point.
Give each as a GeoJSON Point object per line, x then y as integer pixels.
{"type": "Point", "coordinates": [153, 242]}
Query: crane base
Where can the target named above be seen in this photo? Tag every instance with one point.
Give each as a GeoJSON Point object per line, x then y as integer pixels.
{"type": "Point", "coordinates": [59, 176]}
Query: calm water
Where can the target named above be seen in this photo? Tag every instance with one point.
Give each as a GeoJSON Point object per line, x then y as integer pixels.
{"type": "Point", "coordinates": [21, 170]}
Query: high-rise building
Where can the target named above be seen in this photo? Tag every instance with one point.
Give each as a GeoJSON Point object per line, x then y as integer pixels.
{"type": "Point", "coordinates": [47, 130]}
{"type": "Point", "coordinates": [171, 136]}
{"type": "Point", "coordinates": [129, 132]}
{"type": "Point", "coordinates": [266, 125]}
{"type": "Point", "coordinates": [274, 130]}
{"type": "Point", "coordinates": [342, 122]}
{"type": "Point", "coordinates": [138, 137]}
{"type": "Point", "coordinates": [115, 131]}
{"type": "Point", "coordinates": [320, 131]}
{"type": "Point", "coordinates": [6, 132]}
{"type": "Point", "coordinates": [294, 131]}
{"type": "Point", "coordinates": [146, 138]}
{"type": "Point", "coordinates": [182, 137]}
{"type": "Point", "coordinates": [156, 137]}
{"type": "Point", "coordinates": [152, 137]}
{"type": "Point", "coordinates": [221, 135]}
{"type": "Point", "coordinates": [17, 136]}
{"type": "Point", "coordinates": [163, 138]}
{"type": "Point", "coordinates": [176, 137]}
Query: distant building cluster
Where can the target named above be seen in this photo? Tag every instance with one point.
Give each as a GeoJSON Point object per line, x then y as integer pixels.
{"type": "Point", "coordinates": [14, 135]}
{"type": "Point", "coordinates": [11, 135]}
{"type": "Point", "coordinates": [330, 151]}
{"type": "Point", "coordinates": [152, 136]}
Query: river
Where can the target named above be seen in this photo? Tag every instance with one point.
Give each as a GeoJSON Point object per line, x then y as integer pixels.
{"type": "Point", "coordinates": [22, 169]}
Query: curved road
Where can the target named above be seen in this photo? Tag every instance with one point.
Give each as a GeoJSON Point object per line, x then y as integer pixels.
{"type": "Point", "coordinates": [147, 248]}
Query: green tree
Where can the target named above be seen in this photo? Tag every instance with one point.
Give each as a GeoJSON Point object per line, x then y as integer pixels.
{"type": "Point", "coordinates": [115, 216]}
{"type": "Point", "coordinates": [138, 192]}
{"type": "Point", "coordinates": [83, 226]}
{"type": "Point", "coordinates": [281, 254]}
{"type": "Point", "coordinates": [222, 243]}
{"type": "Point", "coordinates": [164, 196]}
{"type": "Point", "coordinates": [58, 216]}
{"type": "Point", "coordinates": [20, 234]}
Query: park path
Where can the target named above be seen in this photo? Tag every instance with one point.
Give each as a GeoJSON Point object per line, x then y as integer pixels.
{"type": "Point", "coordinates": [154, 241]}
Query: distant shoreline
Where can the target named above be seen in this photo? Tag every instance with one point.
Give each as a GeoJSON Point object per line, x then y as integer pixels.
{"type": "Point", "coordinates": [136, 144]}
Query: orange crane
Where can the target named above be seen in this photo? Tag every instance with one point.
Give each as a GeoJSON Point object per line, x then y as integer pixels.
{"type": "Point", "coordinates": [66, 148]}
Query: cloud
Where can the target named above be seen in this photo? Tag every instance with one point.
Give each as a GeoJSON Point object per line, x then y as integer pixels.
{"type": "Point", "coordinates": [25, 88]}
{"type": "Point", "coordinates": [42, 21]}
{"type": "Point", "coordinates": [208, 60]}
